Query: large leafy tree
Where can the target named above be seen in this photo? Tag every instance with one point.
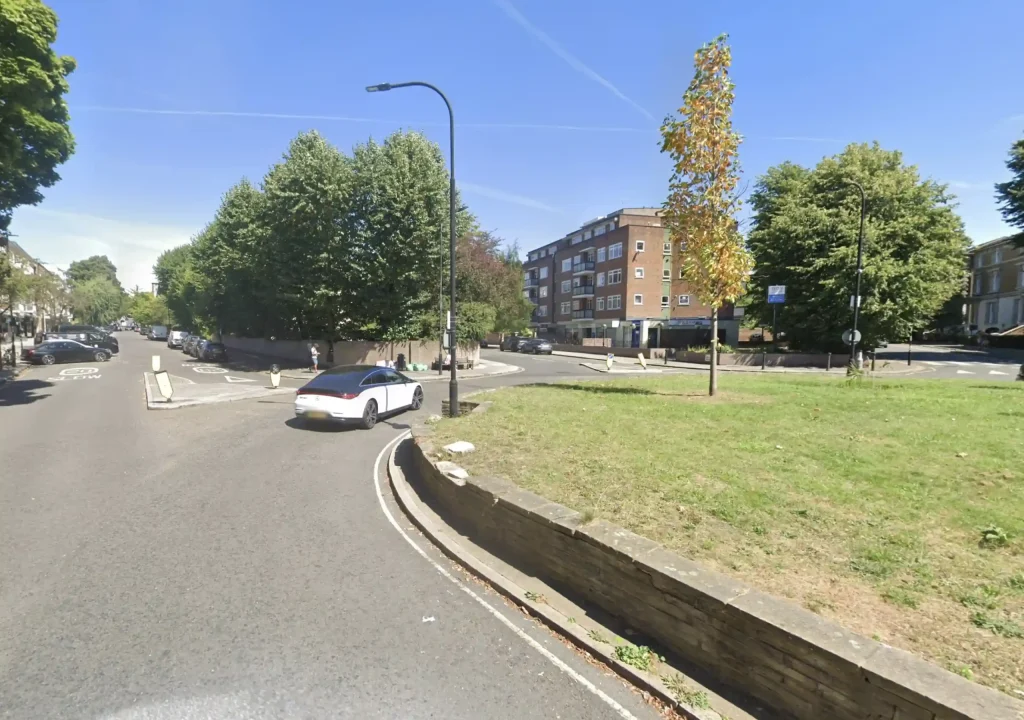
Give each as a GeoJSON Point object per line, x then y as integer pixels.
{"type": "Point", "coordinates": [702, 201]}
{"type": "Point", "coordinates": [492, 274]}
{"type": "Point", "coordinates": [34, 134]}
{"type": "Point", "coordinates": [1011, 193]}
{"type": "Point", "coordinates": [804, 236]}
{"type": "Point", "coordinates": [181, 286]}
{"type": "Point", "coordinates": [97, 266]}
{"type": "Point", "coordinates": [97, 301]}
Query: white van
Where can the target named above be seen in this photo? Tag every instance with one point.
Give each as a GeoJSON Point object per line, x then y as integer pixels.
{"type": "Point", "coordinates": [158, 332]}
{"type": "Point", "coordinates": [176, 337]}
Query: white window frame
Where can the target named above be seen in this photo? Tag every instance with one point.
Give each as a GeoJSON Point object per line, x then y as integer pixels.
{"type": "Point", "coordinates": [542, 275]}
{"type": "Point", "coordinates": [640, 246]}
{"type": "Point", "coordinates": [681, 275]}
{"type": "Point", "coordinates": [542, 311]}
{"type": "Point", "coordinates": [617, 273]}
{"type": "Point", "coordinates": [995, 282]}
{"type": "Point", "coordinates": [565, 308]}
{"type": "Point", "coordinates": [602, 254]}
{"type": "Point", "coordinates": [1016, 311]}
{"type": "Point", "coordinates": [991, 312]}
{"type": "Point", "coordinates": [566, 286]}
{"type": "Point", "coordinates": [666, 248]}
{"type": "Point", "coordinates": [666, 273]}
{"type": "Point", "coordinates": [614, 302]}
{"type": "Point", "coordinates": [543, 291]}
{"type": "Point", "coordinates": [533, 256]}
{"type": "Point", "coordinates": [567, 265]}
{"type": "Point", "coordinates": [599, 230]}
{"type": "Point", "coordinates": [666, 301]}
{"type": "Point", "coordinates": [683, 301]}
{"type": "Point", "coordinates": [600, 279]}
{"type": "Point", "coordinates": [600, 303]}
{"type": "Point", "coordinates": [586, 235]}
{"type": "Point", "coordinates": [638, 273]}
{"type": "Point", "coordinates": [997, 256]}
{"type": "Point", "coordinates": [615, 251]}
{"type": "Point", "coordinates": [638, 298]}
{"type": "Point", "coordinates": [1020, 277]}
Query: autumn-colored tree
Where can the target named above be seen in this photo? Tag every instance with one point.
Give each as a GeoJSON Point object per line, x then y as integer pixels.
{"type": "Point", "coordinates": [702, 203]}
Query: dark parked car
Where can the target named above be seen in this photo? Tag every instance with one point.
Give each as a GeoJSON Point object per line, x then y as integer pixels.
{"type": "Point", "coordinates": [92, 338]}
{"type": "Point", "coordinates": [58, 351]}
{"type": "Point", "coordinates": [143, 330]}
{"type": "Point", "coordinates": [210, 350]}
{"type": "Point", "coordinates": [193, 348]}
{"type": "Point", "coordinates": [536, 346]}
{"type": "Point", "coordinates": [513, 343]}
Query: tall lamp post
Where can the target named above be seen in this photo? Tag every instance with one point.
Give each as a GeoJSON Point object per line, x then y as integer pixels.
{"type": "Point", "coordinates": [860, 272]}
{"type": "Point", "coordinates": [453, 384]}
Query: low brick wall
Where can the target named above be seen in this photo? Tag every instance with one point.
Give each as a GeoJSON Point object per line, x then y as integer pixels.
{"type": "Point", "coordinates": [788, 658]}
{"type": "Point", "coordinates": [347, 352]}
{"type": "Point", "coordinates": [814, 360]}
{"type": "Point", "coordinates": [650, 353]}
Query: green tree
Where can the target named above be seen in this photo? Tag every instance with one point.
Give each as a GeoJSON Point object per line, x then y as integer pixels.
{"type": "Point", "coordinates": [476, 319]}
{"type": "Point", "coordinates": [34, 134]}
{"type": "Point", "coordinates": [149, 310]}
{"type": "Point", "coordinates": [804, 236]}
{"type": "Point", "coordinates": [487, 273]}
{"type": "Point", "coordinates": [702, 203]}
{"type": "Point", "coordinates": [180, 285]}
{"type": "Point", "coordinates": [1011, 193]}
{"type": "Point", "coordinates": [96, 301]}
{"type": "Point", "coordinates": [97, 266]}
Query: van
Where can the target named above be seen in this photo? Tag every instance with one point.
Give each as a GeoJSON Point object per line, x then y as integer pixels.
{"type": "Point", "coordinates": [158, 332]}
{"type": "Point", "coordinates": [176, 337]}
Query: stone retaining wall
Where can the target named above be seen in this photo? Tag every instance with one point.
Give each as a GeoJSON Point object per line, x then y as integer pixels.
{"type": "Point", "coordinates": [793, 660]}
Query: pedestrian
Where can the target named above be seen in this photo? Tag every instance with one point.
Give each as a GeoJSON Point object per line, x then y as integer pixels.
{"type": "Point", "coordinates": [314, 357]}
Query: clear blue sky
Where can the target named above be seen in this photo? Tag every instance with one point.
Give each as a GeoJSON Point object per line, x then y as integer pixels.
{"type": "Point", "coordinates": [558, 102]}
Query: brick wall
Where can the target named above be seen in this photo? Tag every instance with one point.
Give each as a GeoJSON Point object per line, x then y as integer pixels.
{"type": "Point", "coordinates": [346, 352]}
{"type": "Point", "coordinates": [788, 658]}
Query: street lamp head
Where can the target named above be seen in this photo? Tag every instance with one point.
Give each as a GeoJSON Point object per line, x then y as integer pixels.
{"type": "Point", "coordinates": [383, 87]}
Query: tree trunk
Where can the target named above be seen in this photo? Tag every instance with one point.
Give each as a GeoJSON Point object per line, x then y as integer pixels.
{"type": "Point", "coordinates": [713, 383]}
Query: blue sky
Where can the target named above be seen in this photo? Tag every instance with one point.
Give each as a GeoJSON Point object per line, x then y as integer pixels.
{"type": "Point", "coordinates": [557, 103]}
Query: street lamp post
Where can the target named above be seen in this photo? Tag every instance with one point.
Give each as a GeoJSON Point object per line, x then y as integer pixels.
{"type": "Point", "coordinates": [453, 384]}
{"type": "Point", "coordinates": [860, 272]}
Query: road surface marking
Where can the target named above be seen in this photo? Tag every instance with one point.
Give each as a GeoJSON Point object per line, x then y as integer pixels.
{"type": "Point", "coordinates": [208, 370]}
{"type": "Point", "coordinates": [231, 379]}
{"type": "Point", "coordinates": [997, 372]}
{"type": "Point", "coordinates": [964, 372]}
{"type": "Point", "coordinates": [79, 371]}
{"type": "Point", "coordinates": [73, 377]}
{"type": "Point", "coordinates": [560, 664]}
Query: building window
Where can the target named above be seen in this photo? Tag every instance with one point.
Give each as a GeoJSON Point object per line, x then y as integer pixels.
{"type": "Point", "coordinates": [1020, 277]}
{"type": "Point", "coordinates": [614, 277]}
{"type": "Point", "coordinates": [681, 276]}
{"type": "Point", "coordinates": [614, 302]}
{"type": "Point", "coordinates": [543, 272]}
{"type": "Point", "coordinates": [664, 301]}
{"type": "Point", "coordinates": [542, 311]}
{"type": "Point", "coordinates": [607, 227]}
{"type": "Point", "coordinates": [586, 235]}
{"type": "Point", "coordinates": [638, 299]}
{"type": "Point", "coordinates": [977, 283]}
{"type": "Point", "coordinates": [600, 254]}
{"type": "Point", "coordinates": [598, 231]}
{"type": "Point", "coordinates": [615, 251]}
{"type": "Point", "coordinates": [991, 313]}
{"type": "Point", "coordinates": [994, 282]}
{"type": "Point", "coordinates": [576, 240]}
{"type": "Point", "coordinates": [683, 300]}
{"type": "Point", "coordinates": [600, 303]}
{"type": "Point", "coordinates": [567, 265]}
{"type": "Point", "coordinates": [533, 256]}
{"type": "Point", "coordinates": [638, 273]}
{"type": "Point", "coordinates": [566, 286]}
{"type": "Point", "coordinates": [640, 246]}
{"type": "Point", "coordinates": [600, 279]}
{"type": "Point", "coordinates": [1016, 311]}
{"type": "Point", "coordinates": [566, 308]}
{"type": "Point", "coordinates": [666, 274]}
{"type": "Point", "coordinates": [543, 290]}
{"type": "Point", "coordinates": [997, 257]}
{"type": "Point", "coordinates": [666, 248]}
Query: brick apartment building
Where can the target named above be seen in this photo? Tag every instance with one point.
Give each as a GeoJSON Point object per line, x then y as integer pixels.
{"type": "Point", "coordinates": [997, 286]}
{"type": "Point", "coordinates": [616, 277]}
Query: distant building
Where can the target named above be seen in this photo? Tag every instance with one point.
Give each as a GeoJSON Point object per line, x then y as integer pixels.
{"type": "Point", "coordinates": [996, 299]}
{"type": "Point", "coordinates": [616, 277]}
{"type": "Point", "coordinates": [25, 318]}
{"type": "Point", "coordinates": [156, 289]}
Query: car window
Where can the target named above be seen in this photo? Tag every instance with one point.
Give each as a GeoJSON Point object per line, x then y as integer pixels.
{"type": "Point", "coordinates": [392, 377]}
{"type": "Point", "coordinates": [376, 378]}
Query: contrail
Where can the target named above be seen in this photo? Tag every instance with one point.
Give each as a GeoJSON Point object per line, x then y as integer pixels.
{"type": "Point", "coordinates": [561, 52]}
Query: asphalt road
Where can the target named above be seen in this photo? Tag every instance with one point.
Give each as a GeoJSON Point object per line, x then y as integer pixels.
{"type": "Point", "coordinates": [949, 362]}
{"type": "Point", "coordinates": [218, 562]}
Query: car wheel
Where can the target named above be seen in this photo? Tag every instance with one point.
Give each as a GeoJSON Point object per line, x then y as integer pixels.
{"type": "Point", "coordinates": [48, 359]}
{"type": "Point", "coordinates": [369, 415]}
{"type": "Point", "coordinates": [101, 357]}
{"type": "Point", "coordinates": [417, 399]}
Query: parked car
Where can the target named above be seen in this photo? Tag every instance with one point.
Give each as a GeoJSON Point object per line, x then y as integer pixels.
{"type": "Point", "coordinates": [158, 332]}
{"type": "Point", "coordinates": [175, 338]}
{"type": "Point", "coordinates": [193, 348]}
{"type": "Point", "coordinates": [536, 346]}
{"type": "Point", "coordinates": [359, 393]}
{"type": "Point", "coordinates": [512, 343]}
{"type": "Point", "coordinates": [143, 330]}
{"type": "Point", "coordinates": [188, 343]}
{"type": "Point", "coordinates": [102, 340]}
{"type": "Point", "coordinates": [59, 351]}
{"type": "Point", "coordinates": [213, 351]}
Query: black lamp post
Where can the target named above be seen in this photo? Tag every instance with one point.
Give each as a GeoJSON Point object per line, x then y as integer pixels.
{"type": "Point", "coordinates": [453, 384]}
{"type": "Point", "coordinates": [860, 272]}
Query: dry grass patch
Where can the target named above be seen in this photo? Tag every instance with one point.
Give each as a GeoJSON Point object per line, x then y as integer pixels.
{"type": "Point", "coordinates": [896, 508]}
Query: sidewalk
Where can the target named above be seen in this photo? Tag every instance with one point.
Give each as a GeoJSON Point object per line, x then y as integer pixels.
{"type": "Point", "coordinates": [486, 368]}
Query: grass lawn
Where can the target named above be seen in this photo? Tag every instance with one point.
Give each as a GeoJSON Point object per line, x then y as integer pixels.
{"type": "Point", "coordinates": [894, 507]}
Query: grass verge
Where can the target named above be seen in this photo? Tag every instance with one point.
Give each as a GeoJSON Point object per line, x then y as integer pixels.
{"type": "Point", "coordinates": [894, 507]}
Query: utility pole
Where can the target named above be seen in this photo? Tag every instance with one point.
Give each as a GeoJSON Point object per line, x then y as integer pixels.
{"type": "Point", "coordinates": [854, 357]}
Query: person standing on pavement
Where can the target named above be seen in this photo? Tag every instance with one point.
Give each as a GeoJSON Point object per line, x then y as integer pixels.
{"type": "Point", "coordinates": [314, 357]}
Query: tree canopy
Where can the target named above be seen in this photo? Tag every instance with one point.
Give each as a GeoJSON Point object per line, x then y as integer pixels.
{"type": "Point", "coordinates": [804, 236]}
{"type": "Point", "coordinates": [35, 136]}
{"type": "Point", "coordinates": [97, 266]}
{"type": "Point", "coordinates": [1011, 193]}
{"type": "Point", "coordinates": [96, 301]}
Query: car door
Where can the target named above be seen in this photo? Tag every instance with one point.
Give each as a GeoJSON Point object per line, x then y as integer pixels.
{"type": "Point", "coordinates": [399, 391]}
{"type": "Point", "coordinates": [78, 352]}
{"type": "Point", "coordinates": [375, 386]}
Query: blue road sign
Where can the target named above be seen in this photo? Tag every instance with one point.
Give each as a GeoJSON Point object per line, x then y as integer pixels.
{"type": "Point", "coordinates": [776, 294]}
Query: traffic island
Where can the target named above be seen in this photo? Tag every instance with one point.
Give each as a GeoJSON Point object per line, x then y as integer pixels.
{"type": "Point", "coordinates": [190, 394]}
{"type": "Point", "coordinates": [794, 657]}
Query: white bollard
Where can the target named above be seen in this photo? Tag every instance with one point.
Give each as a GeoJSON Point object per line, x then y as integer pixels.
{"type": "Point", "coordinates": [156, 363]}
{"type": "Point", "coordinates": [609, 360]}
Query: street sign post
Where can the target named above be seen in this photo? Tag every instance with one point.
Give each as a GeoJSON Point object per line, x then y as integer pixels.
{"type": "Point", "coordinates": [851, 336]}
{"type": "Point", "coordinates": [776, 297]}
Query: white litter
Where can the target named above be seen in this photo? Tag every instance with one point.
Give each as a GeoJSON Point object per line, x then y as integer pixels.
{"type": "Point", "coordinates": [430, 619]}
{"type": "Point", "coordinates": [460, 446]}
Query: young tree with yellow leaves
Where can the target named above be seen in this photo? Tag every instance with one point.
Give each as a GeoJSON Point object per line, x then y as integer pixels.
{"type": "Point", "coordinates": [702, 203]}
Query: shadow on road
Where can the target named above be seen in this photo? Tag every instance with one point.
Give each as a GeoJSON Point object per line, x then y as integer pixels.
{"type": "Point", "coordinates": [327, 426]}
{"type": "Point", "coordinates": [23, 392]}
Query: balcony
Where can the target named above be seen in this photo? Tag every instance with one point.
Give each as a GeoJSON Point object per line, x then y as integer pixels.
{"type": "Point", "coordinates": [583, 291]}
{"type": "Point", "coordinates": [582, 314]}
{"type": "Point", "coordinates": [529, 281]}
{"type": "Point", "coordinates": [587, 266]}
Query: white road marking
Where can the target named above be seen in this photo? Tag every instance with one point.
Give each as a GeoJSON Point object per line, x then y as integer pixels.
{"type": "Point", "coordinates": [997, 372]}
{"type": "Point", "coordinates": [231, 379]}
{"type": "Point", "coordinates": [79, 371]}
{"type": "Point", "coordinates": [209, 370]}
{"type": "Point", "coordinates": [560, 664]}
{"type": "Point", "coordinates": [964, 372]}
{"type": "Point", "coordinates": [73, 377]}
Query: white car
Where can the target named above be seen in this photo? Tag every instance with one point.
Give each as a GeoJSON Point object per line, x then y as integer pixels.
{"type": "Point", "coordinates": [360, 393]}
